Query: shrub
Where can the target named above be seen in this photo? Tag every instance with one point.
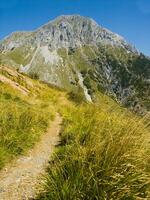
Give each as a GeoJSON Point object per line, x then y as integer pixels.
{"type": "Point", "coordinates": [34, 75]}
{"type": "Point", "coordinates": [77, 96]}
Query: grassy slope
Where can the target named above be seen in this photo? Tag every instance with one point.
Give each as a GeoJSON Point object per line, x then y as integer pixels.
{"type": "Point", "coordinates": [104, 152]}
{"type": "Point", "coordinates": [129, 70]}
{"type": "Point", "coordinates": [104, 155]}
{"type": "Point", "coordinates": [23, 118]}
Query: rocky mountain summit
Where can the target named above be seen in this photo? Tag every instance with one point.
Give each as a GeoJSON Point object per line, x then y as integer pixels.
{"type": "Point", "coordinates": [77, 54]}
{"type": "Point", "coordinates": [64, 32]}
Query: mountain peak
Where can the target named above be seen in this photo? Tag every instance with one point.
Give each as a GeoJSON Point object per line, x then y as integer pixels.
{"type": "Point", "coordinates": [67, 31]}
{"type": "Point", "coordinates": [73, 17]}
{"type": "Point", "coordinates": [75, 53]}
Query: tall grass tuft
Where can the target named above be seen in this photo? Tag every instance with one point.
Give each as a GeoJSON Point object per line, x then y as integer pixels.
{"type": "Point", "coordinates": [24, 118]}
{"type": "Point", "coordinates": [104, 155]}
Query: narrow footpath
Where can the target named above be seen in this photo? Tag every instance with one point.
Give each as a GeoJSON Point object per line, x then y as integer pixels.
{"type": "Point", "coordinates": [21, 178]}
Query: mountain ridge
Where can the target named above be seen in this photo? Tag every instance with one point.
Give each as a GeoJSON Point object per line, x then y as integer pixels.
{"type": "Point", "coordinates": [100, 33]}
{"type": "Point", "coordinates": [71, 48]}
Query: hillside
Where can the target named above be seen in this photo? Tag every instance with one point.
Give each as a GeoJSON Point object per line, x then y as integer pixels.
{"type": "Point", "coordinates": [104, 154]}
{"type": "Point", "coordinates": [75, 53]}
{"type": "Point", "coordinates": [104, 150]}
{"type": "Point", "coordinates": [27, 107]}
{"type": "Point", "coordinates": [77, 86]}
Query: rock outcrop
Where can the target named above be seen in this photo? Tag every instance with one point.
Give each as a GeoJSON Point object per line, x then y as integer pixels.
{"type": "Point", "coordinates": [71, 45]}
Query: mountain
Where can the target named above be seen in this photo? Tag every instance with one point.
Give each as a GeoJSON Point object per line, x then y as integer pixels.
{"type": "Point", "coordinates": [77, 54]}
{"type": "Point", "coordinates": [103, 148]}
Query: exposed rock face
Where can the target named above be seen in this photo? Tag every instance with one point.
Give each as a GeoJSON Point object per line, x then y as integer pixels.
{"type": "Point", "coordinates": [64, 32]}
{"type": "Point", "coordinates": [71, 45]}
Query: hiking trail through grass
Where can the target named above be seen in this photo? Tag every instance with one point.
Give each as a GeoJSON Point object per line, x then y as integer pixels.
{"type": "Point", "coordinates": [20, 179]}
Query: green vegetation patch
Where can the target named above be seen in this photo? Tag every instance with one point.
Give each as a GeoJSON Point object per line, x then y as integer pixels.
{"type": "Point", "coordinates": [21, 55]}
{"type": "Point", "coordinates": [104, 155]}
{"type": "Point", "coordinates": [24, 118]}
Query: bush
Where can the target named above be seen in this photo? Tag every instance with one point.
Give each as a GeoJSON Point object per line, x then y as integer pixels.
{"type": "Point", "coordinates": [34, 75]}
{"type": "Point", "coordinates": [87, 82]}
{"type": "Point", "coordinates": [71, 51]}
{"type": "Point", "coordinates": [77, 97]}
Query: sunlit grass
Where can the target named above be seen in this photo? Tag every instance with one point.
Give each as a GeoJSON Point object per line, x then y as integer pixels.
{"type": "Point", "coordinates": [105, 154]}
{"type": "Point", "coordinates": [24, 118]}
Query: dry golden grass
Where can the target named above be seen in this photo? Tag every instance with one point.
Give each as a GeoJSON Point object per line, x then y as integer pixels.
{"type": "Point", "coordinates": [23, 118]}
{"type": "Point", "coordinates": [104, 155]}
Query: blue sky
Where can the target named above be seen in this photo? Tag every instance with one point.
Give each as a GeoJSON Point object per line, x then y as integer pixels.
{"type": "Point", "coordinates": [129, 18]}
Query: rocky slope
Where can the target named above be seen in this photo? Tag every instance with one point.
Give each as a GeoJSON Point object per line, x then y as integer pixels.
{"type": "Point", "coordinates": [77, 54]}
{"type": "Point", "coordinates": [64, 32]}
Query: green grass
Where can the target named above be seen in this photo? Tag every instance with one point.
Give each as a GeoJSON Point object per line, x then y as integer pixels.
{"type": "Point", "coordinates": [104, 152]}
{"type": "Point", "coordinates": [24, 118]}
{"type": "Point", "coordinates": [104, 155]}
{"type": "Point", "coordinates": [18, 55]}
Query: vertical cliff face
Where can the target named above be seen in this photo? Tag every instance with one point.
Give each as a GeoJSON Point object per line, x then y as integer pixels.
{"type": "Point", "coordinates": [71, 48]}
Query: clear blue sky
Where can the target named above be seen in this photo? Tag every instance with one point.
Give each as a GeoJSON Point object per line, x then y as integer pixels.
{"type": "Point", "coordinates": [129, 18]}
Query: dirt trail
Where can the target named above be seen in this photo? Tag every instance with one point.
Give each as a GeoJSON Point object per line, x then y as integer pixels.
{"type": "Point", "coordinates": [20, 180]}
